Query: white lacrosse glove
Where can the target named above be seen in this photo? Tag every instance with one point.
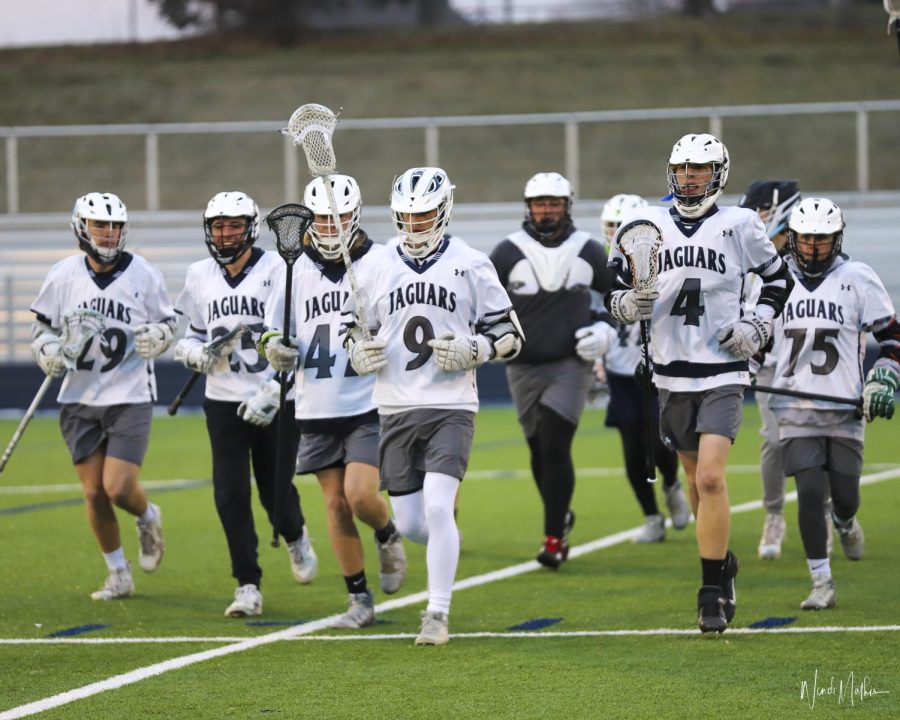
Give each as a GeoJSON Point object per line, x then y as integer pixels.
{"type": "Point", "coordinates": [630, 306]}
{"type": "Point", "coordinates": [194, 355]}
{"type": "Point", "coordinates": [261, 408]}
{"type": "Point", "coordinates": [48, 353]}
{"type": "Point", "coordinates": [594, 341]}
{"type": "Point", "coordinates": [878, 393]}
{"type": "Point", "coordinates": [367, 356]}
{"type": "Point", "coordinates": [152, 339]}
{"type": "Point", "coordinates": [455, 353]}
{"type": "Point", "coordinates": [746, 337]}
{"type": "Point", "coordinates": [283, 358]}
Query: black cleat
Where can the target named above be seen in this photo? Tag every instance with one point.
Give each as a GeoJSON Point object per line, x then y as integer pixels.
{"type": "Point", "coordinates": [711, 609]}
{"type": "Point", "coordinates": [568, 524]}
{"type": "Point", "coordinates": [729, 573]}
{"type": "Point", "coordinates": [553, 553]}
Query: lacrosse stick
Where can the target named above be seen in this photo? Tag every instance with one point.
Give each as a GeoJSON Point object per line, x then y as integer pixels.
{"type": "Point", "coordinates": [311, 127]}
{"type": "Point", "coordinates": [893, 10]}
{"type": "Point", "coordinates": [855, 402]}
{"type": "Point", "coordinates": [79, 327]}
{"type": "Point", "coordinates": [639, 242]}
{"type": "Point", "coordinates": [219, 348]}
{"type": "Point", "coordinates": [289, 223]}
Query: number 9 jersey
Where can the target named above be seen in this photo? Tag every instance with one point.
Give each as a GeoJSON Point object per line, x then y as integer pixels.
{"type": "Point", "coordinates": [108, 371]}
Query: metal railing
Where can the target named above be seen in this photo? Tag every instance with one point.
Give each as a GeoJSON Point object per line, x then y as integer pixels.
{"type": "Point", "coordinates": [570, 125]}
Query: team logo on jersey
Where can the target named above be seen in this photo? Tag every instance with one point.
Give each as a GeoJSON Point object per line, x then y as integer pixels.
{"type": "Point", "coordinates": [691, 256]}
{"type": "Point", "coordinates": [329, 302]}
{"type": "Point", "coordinates": [459, 271]}
{"type": "Point", "coordinates": [109, 307]}
{"type": "Point", "coordinates": [813, 308]}
{"type": "Point", "coordinates": [422, 293]}
{"type": "Point", "coordinates": [235, 305]}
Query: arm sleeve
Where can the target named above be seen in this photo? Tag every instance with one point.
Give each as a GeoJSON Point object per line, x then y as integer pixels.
{"type": "Point", "coordinates": [760, 257]}
{"type": "Point", "coordinates": [46, 305]}
{"type": "Point", "coordinates": [879, 318]}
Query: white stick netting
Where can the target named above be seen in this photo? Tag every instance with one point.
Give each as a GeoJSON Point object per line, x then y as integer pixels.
{"type": "Point", "coordinates": [639, 242]}
{"type": "Point", "coordinates": [311, 126]}
{"type": "Point", "coordinates": [79, 326]}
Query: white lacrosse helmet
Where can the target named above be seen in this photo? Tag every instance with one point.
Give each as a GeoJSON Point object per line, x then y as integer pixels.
{"type": "Point", "coordinates": [548, 184]}
{"type": "Point", "coordinates": [698, 149]}
{"type": "Point", "coordinates": [421, 190]}
{"type": "Point", "coordinates": [102, 207]}
{"type": "Point", "coordinates": [348, 200]}
{"type": "Point", "coordinates": [615, 210]}
{"type": "Point", "coordinates": [231, 204]}
{"type": "Point", "coordinates": [815, 216]}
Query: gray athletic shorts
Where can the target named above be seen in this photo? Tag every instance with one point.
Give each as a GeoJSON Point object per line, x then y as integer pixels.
{"type": "Point", "coordinates": [561, 386]}
{"type": "Point", "coordinates": [843, 455]}
{"type": "Point", "coordinates": [420, 441]}
{"type": "Point", "coordinates": [121, 431]}
{"type": "Point", "coordinates": [319, 451]}
{"type": "Point", "coordinates": [684, 416]}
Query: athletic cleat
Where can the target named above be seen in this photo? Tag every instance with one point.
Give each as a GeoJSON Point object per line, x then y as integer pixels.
{"type": "Point", "coordinates": [729, 573]}
{"type": "Point", "coordinates": [568, 524]}
{"type": "Point", "coordinates": [678, 505]}
{"type": "Point", "coordinates": [772, 537]}
{"type": "Point", "coordinates": [360, 612]}
{"type": "Point", "coordinates": [553, 553]}
{"type": "Point", "coordinates": [654, 530]}
{"type": "Point", "coordinates": [435, 629]}
{"type": "Point", "coordinates": [151, 542]}
{"type": "Point", "coordinates": [118, 584]}
{"type": "Point", "coordinates": [822, 596]}
{"type": "Point", "coordinates": [853, 541]}
{"type": "Point", "coordinates": [247, 602]}
{"type": "Point", "coordinates": [392, 563]}
{"type": "Point", "coordinates": [304, 563]}
{"type": "Point", "coordinates": [711, 609]}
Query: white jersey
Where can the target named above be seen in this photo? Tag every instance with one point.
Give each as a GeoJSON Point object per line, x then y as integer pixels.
{"type": "Point", "coordinates": [109, 371]}
{"type": "Point", "coordinates": [823, 344]}
{"type": "Point", "coordinates": [327, 386]}
{"type": "Point", "coordinates": [215, 303]}
{"type": "Point", "coordinates": [454, 290]}
{"type": "Point", "coordinates": [701, 273]}
{"type": "Point", "coordinates": [625, 354]}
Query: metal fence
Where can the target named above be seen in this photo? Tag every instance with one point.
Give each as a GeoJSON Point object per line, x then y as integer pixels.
{"type": "Point", "coordinates": [568, 131]}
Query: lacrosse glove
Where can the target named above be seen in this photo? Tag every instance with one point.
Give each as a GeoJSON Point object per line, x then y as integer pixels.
{"type": "Point", "coordinates": [746, 337]}
{"type": "Point", "coordinates": [261, 408]}
{"type": "Point", "coordinates": [630, 306]}
{"type": "Point", "coordinates": [280, 356]}
{"type": "Point", "coordinates": [152, 339]}
{"type": "Point", "coordinates": [454, 352]}
{"type": "Point", "coordinates": [594, 341]}
{"type": "Point", "coordinates": [878, 393]}
{"type": "Point", "coordinates": [48, 353]}
{"type": "Point", "coordinates": [194, 355]}
{"type": "Point", "coordinates": [367, 356]}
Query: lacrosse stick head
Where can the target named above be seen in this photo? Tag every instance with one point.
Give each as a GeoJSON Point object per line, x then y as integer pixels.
{"type": "Point", "coordinates": [639, 242]}
{"type": "Point", "coordinates": [311, 126]}
{"type": "Point", "coordinates": [290, 222]}
{"type": "Point", "coordinates": [79, 326]}
{"type": "Point", "coordinates": [222, 347]}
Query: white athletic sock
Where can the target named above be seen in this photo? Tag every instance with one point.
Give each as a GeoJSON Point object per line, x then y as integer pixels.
{"type": "Point", "coordinates": [819, 569]}
{"type": "Point", "coordinates": [409, 516]}
{"type": "Point", "coordinates": [442, 552]}
{"type": "Point", "coordinates": [116, 559]}
{"type": "Point", "coordinates": [149, 515]}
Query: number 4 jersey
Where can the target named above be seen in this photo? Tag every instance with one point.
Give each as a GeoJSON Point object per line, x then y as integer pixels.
{"type": "Point", "coordinates": [822, 344]}
{"type": "Point", "coordinates": [215, 303]}
{"type": "Point", "coordinates": [108, 371]}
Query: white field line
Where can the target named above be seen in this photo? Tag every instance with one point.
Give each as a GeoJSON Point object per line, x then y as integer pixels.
{"type": "Point", "coordinates": [135, 676]}
{"type": "Point", "coordinates": [308, 480]}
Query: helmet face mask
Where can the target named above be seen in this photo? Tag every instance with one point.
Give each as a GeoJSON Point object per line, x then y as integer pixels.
{"type": "Point", "coordinates": [551, 195]}
{"type": "Point", "coordinates": [231, 204]}
{"type": "Point", "coordinates": [814, 223]}
{"type": "Point", "coordinates": [100, 216]}
{"type": "Point", "coordinates": [322, 233]}
{"type": "Point", "coordinates": [697, 173]}
{"type": "Point", "coordinates": [421, 206]}
{"type": "Point", "coordinates": [614, 212]}
{"type": "Point", "coordinates": [773, 200]}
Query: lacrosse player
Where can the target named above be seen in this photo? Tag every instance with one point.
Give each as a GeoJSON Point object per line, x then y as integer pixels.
{"type": "Point", "coordinates": [339, 426]}
{"type": "Point", "coordinates": [242, 396]}
{"type": "Point", "coordinates": [549, 269]}
{"type": "Point", "coordinates": [701, 341]}
{"type": "Point", "coordinates": [439, 312]}
{"type": "Point", "coordinates": [835, 302]}
{"type": "Point", "coordinates": [107, 395]}
{"type": "Point", "coordinates": [773, 200]}
{"type": "Point", "coordinates": [625, 413]}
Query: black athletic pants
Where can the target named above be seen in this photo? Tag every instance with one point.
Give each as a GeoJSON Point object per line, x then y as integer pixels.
{"type": "Point", "coordinates": [552, 467]}
{"type": "Point", "coordinates": [235, 445]}
{"type": "Point", "coordinates": [634, 450]}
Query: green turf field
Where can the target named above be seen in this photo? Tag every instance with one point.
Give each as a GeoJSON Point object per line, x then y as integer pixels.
{"type": "Point", "coordinates": [49, 564]}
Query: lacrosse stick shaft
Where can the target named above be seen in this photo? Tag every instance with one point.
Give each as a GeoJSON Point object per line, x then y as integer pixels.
{"type": "Point", "coordinates": [648, 402]}
{"type": "Point", "coordinates": [29, 413]}
{"type": "Point", "coordinates": [855, 402]}
{"type": "Point", "coordinates": [282, 469]}
{"type": "Point", "coordinates": [183, 393]}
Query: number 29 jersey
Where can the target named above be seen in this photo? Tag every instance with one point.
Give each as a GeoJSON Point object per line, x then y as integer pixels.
{"type": "Point", "coordinates": [456, 289]}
